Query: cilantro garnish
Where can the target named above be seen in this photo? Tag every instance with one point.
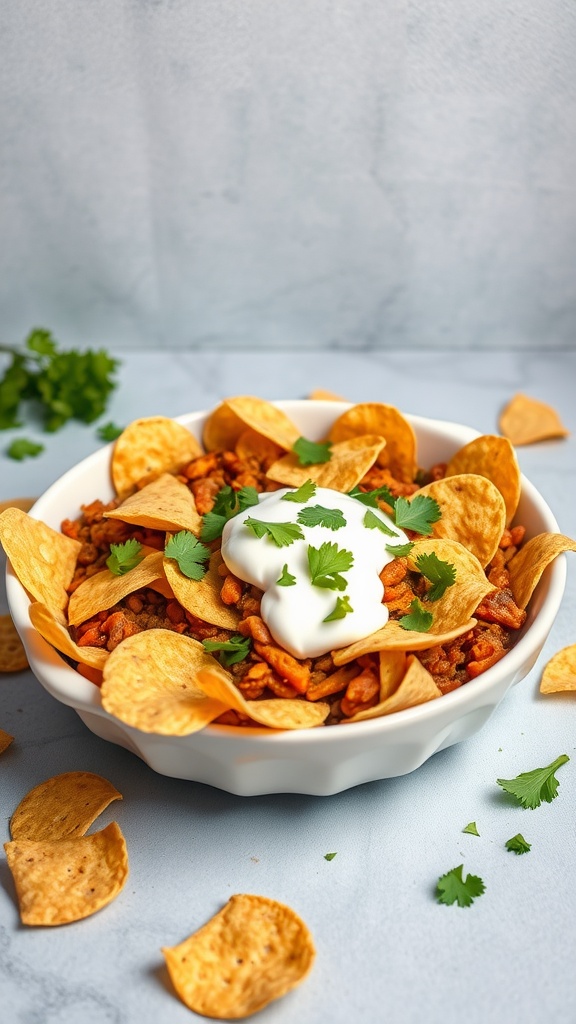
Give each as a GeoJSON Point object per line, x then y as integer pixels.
{"type": "Point", "coordinates": [418, 618]}
{"type": "Point", "coordinates": [282, 534]}
{"type": "Point", "coordinates": [327, 563]}
{"type": "Point", "coordinates": [318, 515]}
{"type": "Point", "coordinates": [124, 557]}
{"type": "Point", "coordinates": [311, 453]}
{"type": "Point", "coordinates": [372, 498]}
{"type": "Point", "coordinates": [306, 491]}
{"type": "Point", "coordinates": [400, 550]}
{"type": "Point", "coordinates": [229, 651]}
{"type": "Point", "coordinates": [189, 553]}
{"type": "Point", "coordinates": [329, 856]}
{"type": "Point", "coordinates": [418, 514]}
{"type": "Point", "coordinates": [227, 504]}
{"type": "Point", "coordinates": [453, 888]}
{"type": "Point", "coordinates": [341, 609]}
{"type": "Point", "coordinates": [518, 844]}
{"type": "Point", "coordinates": [373, 522]}
{"type": "Point", "coordinates": [531, 788]}
{"type": "Point", "coordinates": [471, 829]}
{"type": "Point", "coordinates": [286, 579]}
{"type": "Point", "coordinates": [22, 448]}
{"type": "Point", "coordinates": [66, 385]}
{"type": "Point", "coordinates": [109, 431]}
{"type": "Point", "coordinates": [439, 573]}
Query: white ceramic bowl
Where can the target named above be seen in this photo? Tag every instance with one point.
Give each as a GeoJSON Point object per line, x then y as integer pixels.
{"type": "Point", "coordinates": [315, 761]}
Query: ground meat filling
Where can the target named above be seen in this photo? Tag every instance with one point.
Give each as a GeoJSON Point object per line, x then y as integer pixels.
{"type": "Point", "coordinates": [269, 670]}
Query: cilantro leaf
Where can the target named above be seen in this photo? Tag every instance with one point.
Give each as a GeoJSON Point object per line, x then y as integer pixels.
{"type": "Point", "coordinates": [318, 515]}
{"type": "Point", "coordinates": [22, 448]}
{"type": "Point", "coordinates": [439, 573]}
{"type": "Point", "coordinates": [282, 534]}
{"type": "Point", "coordinates": [341, 609]}
{"type": "Point", "coordinates": [518, 844]}
{"type": "Point", "coordinates": [230, 651]}
{"type": "Point", "coordinates": [531, 788]}
{"type": "Point", "coordinates": [286, 579]}
{"type": "Point", "coordinates": [329, 856]}
{"type": "Point", "coordinates": [189, 553]}
{"type": "Point", "coordinates": [372, 498]}
{"type": "Point", "coordinates": [417, 618]}
{"type": "Point", "coordinates": [109, 431]}
{"type": "Point", "coordinates": [373, 522]}
{"type": "Point", "coordinates": [12, 390]}
{"type": "Point", "coordinates": [471, 829]}
{"type": "Point", "coordinates": [418, 514]}
{"type": "Point", "coordinates": [453, 888]}
{"type": "Point", "coordinates": [312, 453]}
{"type": "Point", "coordinates": [227, 504]}
{"type": "Point", "coordinates": [306, 491]}
{"type": "Point", "coordinates": [400, 550]}
{"type": "Point", "coordinates": [327, 563]}
{"type": "Point", "coordinates": [247, 497]}
{"type": "Point", "coordinates": [124, 557]}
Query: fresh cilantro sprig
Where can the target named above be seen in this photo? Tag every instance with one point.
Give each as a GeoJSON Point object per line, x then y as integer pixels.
{"type": "Point", "coordinates": [327, 563]}
{"type": "Point", "coordinates": [373, 522]}
{"type": "Point", "coordinates": [189, 554]}
{"type": "Point", "coordinates": [372, 498]}
{"type": "Point", "coordinates": [286, 578]}
{"type": "Point", "coordinates": [109, 431]}
{"type": "Point", "coordinates": [329, 856]}
{"type": "Point", "coordinates": [65, 385]}
{"type": "Point", "coordinates": [341, 609]}
{"type": "Point", "coordinates": [417, 618]}
{"type": "Point", "coordinates": [21, 448]}
{"type": "Point", "coordinates": [124, 557]}
{"type": "Point", "coordinates": [531, 788]}
{"type": "Point", "coordinates": [517, 844]}
{"type": "Point", "coordinates": [228, 503]}
{"type": "Point", "coordinates": [439, 573]}
{"type": "Point", "coordinates": [282, 534]}
{"type": "Point", "coordinates": [303, 494]}
{"type": "Point", "coordinates": [471, 828]}
{"type": "Point", "coordinates": [230, 651]}
{"type": "Point", "coordinates": [312, 453]}
{"type": "Point", "coordinates": [418, 515]}
{"type": "Point", "coordinates": [399, 550]}
{"type": "Point", "coordinates": [454, 888]}
{"type": "Point", "coordinates": [318, 515]}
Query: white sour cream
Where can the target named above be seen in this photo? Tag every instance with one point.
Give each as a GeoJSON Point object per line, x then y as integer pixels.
{"type": "Point", "coordinates": [294, 614]}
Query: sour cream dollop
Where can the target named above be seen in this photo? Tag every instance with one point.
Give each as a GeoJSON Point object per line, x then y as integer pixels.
{"type": "Point", "coordinates": [295, 614]}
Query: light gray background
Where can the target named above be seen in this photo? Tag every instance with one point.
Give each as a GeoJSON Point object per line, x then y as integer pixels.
{"type": "Point", "coordinates": [282, 173]}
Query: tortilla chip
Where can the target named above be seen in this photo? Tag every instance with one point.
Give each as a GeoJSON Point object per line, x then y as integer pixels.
{"type": "Point", "coordinates": [350, 461]}
{"type": "Point", "coordinates": [473, 513]}
{"type": "Point", "coordinates": [229, 420]}
{"type": "Point", "coordinates": [24, 504]}
{"type": "Point", "coordinates": [252, 445]}
{"type": "Point", "coordinates": [392, 670]}
{"type": "Point", "coordinates": [320, 395]}
{"type": "Point", "coordinates": [528, 564]}
{"type": "Point", "coordinates": [459, 601]}
{"type": "Point", "coordinates": [104, 589]}
{"type": "Point", "coordinates": [164, 504]}
{"type": "Point", "coordinates": [276, 713]}
{"type": "Point", "coordinates": [526, 420]}
{"type": "Point", "coordinates": [5, 740]}
{"type": "Point", "coordinates": [559, 675]}
{"type": "Point", "coordinates": [250, 953]}
{"type": "Point", "coordinates": [70, 879]}
{"type": "Point", "coordinates": [417, 687]}
{"type": "Point", "coordinates": [149, 447]}
{"type": "Point", "coordinates": [493, 457]}
{"type": "Point", "coordinates": [62, 807]}
{"type": "Point", "coordinates": [392, 637]}
{"type": "Point", "coordinates": [43, 559]}
{"type": "Point", "coordinates": [12, 654]}
{"type": "Point", "coordinates": [385, 421]}
{"type": "Point", "coordinates": [202, 597]}
{"type": "Point", "coordinates": [150, 682]}
{"type": "Point", "coordinates": [55, 631]}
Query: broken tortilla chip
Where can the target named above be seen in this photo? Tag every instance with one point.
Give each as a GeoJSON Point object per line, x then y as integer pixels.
{"type": "Point", "coordinates": [349, 462]}
{"type": "Point", "coordinates": [104, 589]}
{"type": "Point", "coordinates": [525, 568]}
{"type": "Point", "coordinates": [473, 513]}
{"type": "Point", "coordinates": [62, 806]}
{"type": "Point", "coordinates": [5, 740]}
{"type": "Point", "coordinates": [493, 457]}
{"type": "Point", "coordinates": [53, 628]}
{"type": "Point", "coordinates": [392, 670]}
{"type": "Point", "coordinates": [164, 504]}
{"type": "Point", "coordinates": [43, 559]}
{"type": "Point", "coordinates": [527, 420]}
{"type": "Point", "coordinates": [399, 455]}
{"type": "Point", "coordinates": [417, 687]}
{"type": "Point", "coordinates": [202, 597]}
{"type": "Point", "coordinates": [559, 675]}
{"type": "Point", "coordinates": [149, 447]}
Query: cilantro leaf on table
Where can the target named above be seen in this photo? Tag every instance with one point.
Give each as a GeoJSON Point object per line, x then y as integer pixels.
{"type": "Point", "coordinates": [329, 856]}
{"type": "Point", "coordinates": [230, 651]}
{"type": "Point", "coordinates": [517, 844]}
{"type": "Point", "coordinates": [318, 515]}
{"type": "Point", "coordinates": [286, 578]}
{"type": "Point", "coordinates": [227, 504]}
{"type": "Point", "coordinates": [282, 534]}
{"type": "Point", "coordinates": [439, 573]}
{"type": "Point", "coordinates": [453, 888]}
{"type": "Point", "coordinates": [372, 498]}
{"type": "Point", "coordinates": [109, 431]}
{"type": "Point", "coordinates": [399, 550]}
{"type": "Point", "coordinates": [21, 448]}
{"type": "Point", "coordinates": [373, 522]}
{"type": "Point", "coordinates": [471, 829]}
{"type": "Point", "coordinates": [306, 491]}
{"type": "Point", "coordinates": [417, 618]}
{"type": "Point", "coordinates": [341, 609]}
{"type": "Point", "coordinates": [124, 557]}
{"type": "Point", "coordinates": [189, 554]}
{"type": "Point", "coordinates": [418, 514]}
{"type": "Point", "coordinates": [326, 564]}
{"type": "Point", "coordinates": [312, 453]}
{"type": "Point", "coordinates": [531, 788]}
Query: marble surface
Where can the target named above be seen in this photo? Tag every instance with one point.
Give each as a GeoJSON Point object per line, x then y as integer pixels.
{"type": "Point", "coordinates": [385, 949]}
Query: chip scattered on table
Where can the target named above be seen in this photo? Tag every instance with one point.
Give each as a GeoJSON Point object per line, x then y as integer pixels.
{"type": "Point", "coordinates": [5, 740]}
{"type": "Point", "coordinates": [559, 675]}
{"type": "Point", "coordinates": [62, 807]}
{"type": "Point", "coordinates": [526, 420]}
{"type": "Point", "coordinates": [12, 654]}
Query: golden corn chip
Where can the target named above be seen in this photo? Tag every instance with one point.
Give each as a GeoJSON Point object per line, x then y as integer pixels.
{"type": "Point", "coordinates": [67, 879]}
{"type": "Point", "coordinates": [416, 687]}
{"type": "Point", "coordinates": [24, 504]}
{"type": "Point", "coordinates": [493, 457]}
{"type": "Point", "coordinates": [385, 421]}
{"type": "Point", "coordinates": [150, 682]}
{"type": "Point", "coordinates": [459, 601]}
{"type": "Point", "coordinates": [392, 670]}
{"type": "Point", "coordinates": [526, 420]}
{"type": "Point", "coordinates": [473, 513]}
{"type": "Point", "coordinates": [222, 429]}
{"type": "Point", "coordinates": [164, 504]}
{"type": "Point", "coordinates": [528, 564]}
{"type": "Point", "coordinates": [250, 953]}
{"type": "Point", "coordinates": [12, 654]}
{"type": "Point", "coordinates": [560, 673]}
{"type": "Point", "coordinates": [104, 589]}
{"type": "Point", "coordinates": [276, 713]}
{"type": "Point", "coordinates": [43, 559]}
{"type": "Point", "coordinates": [252, 445]}
{"type": "Point", "coordinates": [52, 626]}
{"type": "Point", "coordinates": [148, 448]}
{"type": "Point", "coordinates": [5, 740]}
{"type": "Point", "coordinates": [265, 419]}
{"type": "Point", "coordinates": [202, 597]}
{"type": "Point", "coordinates": [392, 637]}
{"type": "Point", "coordinates": [320, 395]}
{"type": "Point", "coordinates": [350, 461]}
{"type": "Point", "coordinates": [62, 807]}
